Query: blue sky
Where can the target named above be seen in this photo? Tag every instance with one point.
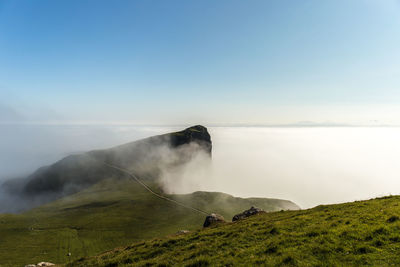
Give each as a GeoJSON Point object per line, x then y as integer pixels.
{"type": "Point", "coordinates": [173, 62]}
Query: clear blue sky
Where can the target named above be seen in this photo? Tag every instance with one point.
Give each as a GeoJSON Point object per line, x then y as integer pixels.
{"type": "Point", "coordinates": [162, 62]}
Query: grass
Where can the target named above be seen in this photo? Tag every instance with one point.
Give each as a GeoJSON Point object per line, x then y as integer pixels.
{"type": "Point", "coordinates": [363, 233]}
{"type": "Point", "coordinates": [112, 213]}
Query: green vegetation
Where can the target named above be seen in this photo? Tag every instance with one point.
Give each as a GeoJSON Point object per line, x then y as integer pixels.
{"type": "Point", "coordinates": [112, 213]}
{"type": "Point", "coordinates": [352, 234]}
{"type": "Point", "coordinates": [103, 208]}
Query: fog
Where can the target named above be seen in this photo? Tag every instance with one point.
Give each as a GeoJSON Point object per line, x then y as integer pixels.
{"type": "Point", "coordinates": [308, 165]}
{"type": "Point", "coordinates": [24, 148]}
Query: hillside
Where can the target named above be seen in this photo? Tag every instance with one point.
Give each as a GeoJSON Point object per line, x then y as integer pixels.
{"type": "Point", "coordinates": [103, 199]}
{"type": "Point", "coordinates": [351, 234]}
{"type": "Point", "coordinates": [70, 175]}
{"type": "Point", "coordinates": [114, 212]}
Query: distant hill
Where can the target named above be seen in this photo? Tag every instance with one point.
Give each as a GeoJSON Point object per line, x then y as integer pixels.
{"type": "Point", "coordinates": [362, 233]}
{"type": "Point", "coordinates": [76, 172]}
{"type": "Point", "coordinates": [92, 207]}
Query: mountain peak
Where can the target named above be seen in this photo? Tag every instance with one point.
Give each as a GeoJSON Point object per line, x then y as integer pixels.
{"type": "Point", "coordinates": [198, 134]}
{"type": "Point", "coordinates": [146, 157]}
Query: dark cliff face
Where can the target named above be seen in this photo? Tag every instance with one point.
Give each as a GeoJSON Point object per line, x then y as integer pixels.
{"type": "Point", "coordinates": [148, 155]}
{"type": "Point", "coordinates": [197, 134]}
{"type": "Point", "coordinates": [145, 157]}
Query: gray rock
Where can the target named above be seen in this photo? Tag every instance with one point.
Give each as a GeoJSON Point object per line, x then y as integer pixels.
{"type": "Point", "coordinates": [213, 219]}
{"type": "Point", "coordinates": [247, 213]}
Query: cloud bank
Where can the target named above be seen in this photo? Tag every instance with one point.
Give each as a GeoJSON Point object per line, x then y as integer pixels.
{"type": "Point", "coordinates": [308, 165]}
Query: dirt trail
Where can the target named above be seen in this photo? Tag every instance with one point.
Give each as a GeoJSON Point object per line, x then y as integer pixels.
{"type": "Point", "coordinates": [151, 191]}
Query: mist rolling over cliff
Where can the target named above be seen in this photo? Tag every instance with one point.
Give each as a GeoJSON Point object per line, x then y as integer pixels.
{"type": "Point", "coordinates": [98, 199]}
{"type": "Point", "coordinates": [330, 165]}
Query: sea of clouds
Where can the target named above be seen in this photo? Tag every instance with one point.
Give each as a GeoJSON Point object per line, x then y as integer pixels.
{"type": "Point", "coordinates": [308, 165]}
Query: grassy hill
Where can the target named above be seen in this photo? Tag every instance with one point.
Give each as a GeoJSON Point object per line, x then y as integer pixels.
{"type": "Point", "coordinates": [352, 234]}
{"type": "Point", "coordinates": [94, 203]}
{"type": "Point", "coordinates": [112, 213]}
{"type": "Point", "coordinates": [147, 157]}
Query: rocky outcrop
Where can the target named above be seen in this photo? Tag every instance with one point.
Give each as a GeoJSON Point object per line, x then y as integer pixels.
{"type": "Point", "coordinates": [247, 213]}
{"type": "Point", "coordinates": [213, 219]}
{"type": "Point", "coordinates": [197, 134]}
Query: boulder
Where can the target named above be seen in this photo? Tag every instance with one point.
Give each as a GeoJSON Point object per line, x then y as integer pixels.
{"type": "Point", "coordinates": [213, 219]}
{"type": "Point", "coordinates": [247, 213]}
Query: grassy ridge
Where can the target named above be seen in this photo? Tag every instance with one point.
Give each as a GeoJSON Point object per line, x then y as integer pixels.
{"type": "Point", "coordinates": [112, 213]}
{"type": "Point", "coordinates": [352, 234]}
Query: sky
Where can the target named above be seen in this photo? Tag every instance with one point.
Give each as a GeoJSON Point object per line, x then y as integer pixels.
{"type": "Point", "coordinates": [211, 62]}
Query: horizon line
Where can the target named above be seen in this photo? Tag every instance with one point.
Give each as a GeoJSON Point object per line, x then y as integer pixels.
{"type": "Point", "coordinates": [238, 124]}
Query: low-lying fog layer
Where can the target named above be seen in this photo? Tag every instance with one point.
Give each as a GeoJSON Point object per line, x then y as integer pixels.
{"type": "Point", "coordinates": [309, 166]}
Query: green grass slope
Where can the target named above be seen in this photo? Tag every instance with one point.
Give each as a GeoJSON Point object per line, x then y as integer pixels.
{"type": "Point", "coordinates": [353, 234]}
{"type": "Point", "coordinates": [112, 213]}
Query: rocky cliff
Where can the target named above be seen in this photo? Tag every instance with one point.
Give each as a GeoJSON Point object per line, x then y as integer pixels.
{"type": "Point", "coordinates": [145, 157]}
